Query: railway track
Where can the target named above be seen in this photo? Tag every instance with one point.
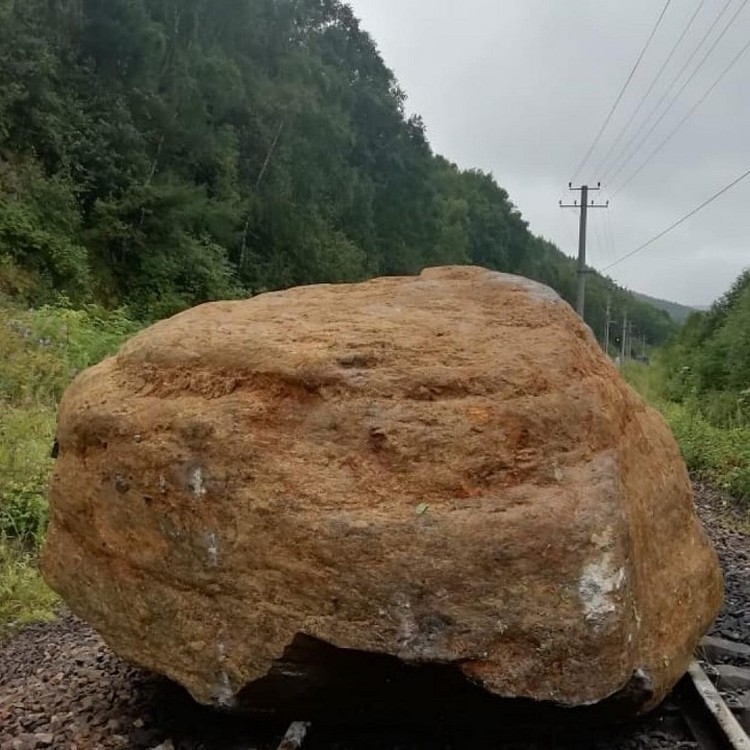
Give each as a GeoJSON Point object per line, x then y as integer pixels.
{"type": "Point", "coordinates": [704, 710]}
{"type": "Point", "coordinates": [702, 707]}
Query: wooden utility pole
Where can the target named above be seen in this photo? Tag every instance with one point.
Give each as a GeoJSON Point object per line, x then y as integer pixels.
{"type": "Point", "coordinates": [584, 206]}
{"type": "Point", "coordinates": [624, 337]}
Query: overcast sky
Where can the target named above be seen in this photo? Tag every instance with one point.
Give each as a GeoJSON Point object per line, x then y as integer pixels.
{"type": "Point", "coordinates": [520, 88]}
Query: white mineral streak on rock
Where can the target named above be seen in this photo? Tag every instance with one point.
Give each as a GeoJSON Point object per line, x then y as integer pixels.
{"type": "Point", "coordinates": [212, 547]}
{"type": "Point", "coordinates": [596, 586]}
{"type": "Point", "coordinates": [196, 484]}
{"type": "Point", "coordinates": [223, 692]}
{"type": "Point", "coordinates": [408, 630]}
{"type": "Point", "coordinates": [600, 580]}
{"type": "Point", "coordinates": [643, 679]}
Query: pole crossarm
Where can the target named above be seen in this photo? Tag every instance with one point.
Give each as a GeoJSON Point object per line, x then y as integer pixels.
{"type": "Point", "coordinates": [588, 188]}
{"type": "Point", "coordinates": [584, 189]}
{"type": "Point", "coordinates": [576, 204]}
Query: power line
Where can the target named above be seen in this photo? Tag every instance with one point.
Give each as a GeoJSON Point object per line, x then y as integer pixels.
{"type": "Point", "coordinates": [664, 96]}
{"type": "Point", "coordinates": [611, 236]}
{"type": "Point", "coordinates": [678, 223]}
{"type": "Point", "coordinates": [607, 238]}
{"type": "Point", "coordinates": [645, 97]}
{"type": "Point", "coordinates": [622, 92]}
{"type": "Point", "coordinates": [597, 231]}
{"type": "Point", "coordinates": [679, 93]}
{"type": "Point", "coordinates": [690, 113]}
{"type": "Point", "coordinates": [607, 244]}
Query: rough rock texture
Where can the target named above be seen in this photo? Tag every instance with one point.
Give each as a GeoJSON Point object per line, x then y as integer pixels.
{"type": "Point", "coordinates": [443, 469]}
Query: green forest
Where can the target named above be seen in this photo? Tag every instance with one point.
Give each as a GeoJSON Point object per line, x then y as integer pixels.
{"type": "Point", "coordinates": [156, 154]}
{"type": "Point", "coordinates": [701, 382]}
{"type": "Point", "coordinates": [710, 359]}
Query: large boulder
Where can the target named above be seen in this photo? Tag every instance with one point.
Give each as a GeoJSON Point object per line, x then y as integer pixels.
{"type": "Point", "coordinates": [442, 469]}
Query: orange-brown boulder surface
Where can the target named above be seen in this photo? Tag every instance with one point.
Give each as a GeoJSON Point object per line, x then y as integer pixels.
{"type": "Point", "coordinates": [440, 469]}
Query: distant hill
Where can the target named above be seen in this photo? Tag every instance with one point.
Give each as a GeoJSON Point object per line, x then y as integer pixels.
{"type": "Point", "coordinates": [679, 313]}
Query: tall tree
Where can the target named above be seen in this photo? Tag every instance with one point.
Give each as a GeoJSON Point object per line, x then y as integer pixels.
{"type": "Point", "coordinates": [160, 153]}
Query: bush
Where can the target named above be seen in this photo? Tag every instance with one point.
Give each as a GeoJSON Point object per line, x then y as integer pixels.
{"type": "Point", "coordinates": [39, 223]}
{"type": "Point", "coordinates": [24, 597]}
{"type": "Point", "coordinates": [646, 379]}
{"type": "Point", "coordinates": [718, 452]}
{"type": "Point", "coordinates": [23, 509]}
{"type": "Point", "coordinates": [709, 362]}
{"type": "Point", "coordinates": [42, 351]}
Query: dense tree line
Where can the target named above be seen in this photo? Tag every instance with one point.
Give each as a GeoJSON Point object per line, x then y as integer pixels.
{"type": "Point", "coordinates": [160, 153]}
{"type": "Point", "coordinates": [708, 363]}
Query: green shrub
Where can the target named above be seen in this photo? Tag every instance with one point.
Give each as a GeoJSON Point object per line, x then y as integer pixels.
{"type": "Point", "coordinates": [713, 444]}
{"type": "Point", "coordinates": [645, 379]}
{"type": "Point", "coordinates": [39, 227]}
{"type": "Point", "coordinates": [24, 596]}
{"type": "Point", "coordinates": [23, 509]}
{"type": "Point", "coordinates": [42, 350]}
{"type": "Point", "coordinates": [721, 454]}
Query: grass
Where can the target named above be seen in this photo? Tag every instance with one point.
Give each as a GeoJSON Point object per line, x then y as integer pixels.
{"type": "Point", "coordinates": [40, 353]}
{"type": "Point", "coordinates": [721, 454]}
{"type": "Point", "coordinates": [26, 433]}
{"type": "Point", "coordinates": [24, 597]}
{"type": "Point", "coordinates": [717, 452]}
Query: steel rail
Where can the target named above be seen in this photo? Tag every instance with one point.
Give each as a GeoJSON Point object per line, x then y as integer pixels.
{"type": "Point", "coordinates": [708, 717]}
{"type": "Point", "coordinates": [294, 736]}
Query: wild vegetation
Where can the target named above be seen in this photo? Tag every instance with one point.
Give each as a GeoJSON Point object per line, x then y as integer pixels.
{"type": "Point", "coordinates": [161, 153]}
{"type": "Point", "coordinates": [41, 352]}
{"type": "Point", "coordinates": [701, 382]}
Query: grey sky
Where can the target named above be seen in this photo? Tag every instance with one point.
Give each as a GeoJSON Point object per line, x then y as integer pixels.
{"type": "Point", "coordinates": [520, 88]}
